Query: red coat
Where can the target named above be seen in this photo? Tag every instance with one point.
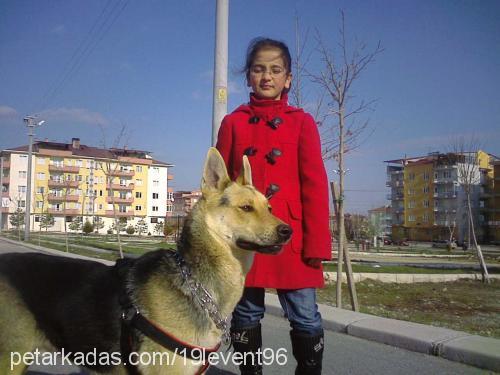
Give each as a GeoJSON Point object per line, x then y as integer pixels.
{"type": "Point", "coordinates": [302, 199]}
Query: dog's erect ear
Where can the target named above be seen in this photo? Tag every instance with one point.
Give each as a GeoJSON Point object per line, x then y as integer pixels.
{"type": "Point", "coordinates": [215, 175]}
{"type": "Point", "coordinates": [245, 177]}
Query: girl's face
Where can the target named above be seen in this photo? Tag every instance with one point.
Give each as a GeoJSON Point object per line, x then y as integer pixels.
{"type": "Point", "coordinates": [268, 75]}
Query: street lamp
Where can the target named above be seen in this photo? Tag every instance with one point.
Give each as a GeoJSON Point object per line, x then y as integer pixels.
{"type": "Point", "coordinates": [31, 123]}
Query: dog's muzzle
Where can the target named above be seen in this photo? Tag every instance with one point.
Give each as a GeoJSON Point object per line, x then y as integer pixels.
{"type": "Point", "coordinates": [284, 233]}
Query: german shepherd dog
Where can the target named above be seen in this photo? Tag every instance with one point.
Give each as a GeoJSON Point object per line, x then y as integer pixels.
{"type": "Point", "coordinates": [59, 304]}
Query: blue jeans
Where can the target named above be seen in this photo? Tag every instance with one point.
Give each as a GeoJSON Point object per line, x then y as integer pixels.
{"type": "Point", "coordinates": [299, 306]}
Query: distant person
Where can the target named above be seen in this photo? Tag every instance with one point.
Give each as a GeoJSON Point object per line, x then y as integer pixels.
{"type": "Point", "coordinates": [284, 150]}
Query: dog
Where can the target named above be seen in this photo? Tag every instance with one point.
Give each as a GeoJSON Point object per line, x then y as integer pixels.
{"type": "Point", "coordinates": [82, 307]}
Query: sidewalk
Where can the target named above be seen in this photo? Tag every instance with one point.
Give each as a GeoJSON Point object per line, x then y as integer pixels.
{"type": "Point", "coordinates": [453, 345]}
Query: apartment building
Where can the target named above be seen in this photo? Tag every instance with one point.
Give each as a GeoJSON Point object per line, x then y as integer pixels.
{"type": "Point", "coordinates": [381, 220]}
{"type": "Point", "coordinates": [71, 180]}
{"type": "Point", "coordinates": [428, 200]}
{"type": "Point", "coordinates": [184, 201]}
{"type": "Point", "coordinates": [490, 202]}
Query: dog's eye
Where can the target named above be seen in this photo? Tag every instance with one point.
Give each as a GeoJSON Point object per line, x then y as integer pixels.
{"type": "Point", "coordinates": [247, 208]}
{"type": "Point", "coordinates": [270, 209]}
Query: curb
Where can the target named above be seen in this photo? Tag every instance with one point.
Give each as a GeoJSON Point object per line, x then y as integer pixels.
{"type": "Point", "coordinates": [407, 278]}
{"type": "Point", "coordinates": [483, 352]}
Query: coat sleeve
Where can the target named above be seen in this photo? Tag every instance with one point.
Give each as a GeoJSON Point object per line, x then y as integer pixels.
{"type": "Point", "coordinates": [225, 142]}
{"type": "Point", "coordinates": [314, 193]}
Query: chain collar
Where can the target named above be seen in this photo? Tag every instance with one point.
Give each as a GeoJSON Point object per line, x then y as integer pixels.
{"type": "Point", "coordinates": [203, 297]}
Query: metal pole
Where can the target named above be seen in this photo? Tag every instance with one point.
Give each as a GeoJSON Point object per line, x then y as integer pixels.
{"type": "Point", "coordinates": [219, 108]}
{"type": "Point", "coordinates": [31, 123]}
{"type": "Point", "coordinates": [28, 185]}
{"type": "Point", "coordinates": [1, 192]}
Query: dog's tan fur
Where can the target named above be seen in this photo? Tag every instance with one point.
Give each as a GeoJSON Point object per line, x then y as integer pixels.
{"type": "Point", "coordinates": [227, 212]}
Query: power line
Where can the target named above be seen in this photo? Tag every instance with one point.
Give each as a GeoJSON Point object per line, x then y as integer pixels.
{"type": "Point", "coordinates": [96, 33]}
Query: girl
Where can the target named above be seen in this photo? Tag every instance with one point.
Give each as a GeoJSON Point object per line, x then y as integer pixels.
{"type": "Point", "coordinates": [284, 150]}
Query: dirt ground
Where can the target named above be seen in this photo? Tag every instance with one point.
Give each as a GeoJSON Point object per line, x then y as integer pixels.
{"type": "Point", "coordinates": [464, 305]}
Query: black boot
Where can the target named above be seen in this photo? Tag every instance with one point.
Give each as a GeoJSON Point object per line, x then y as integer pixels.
{"type": "Point", "coordinates": [308, 351]}
{"type": "Point", "coordinates": [248, 340]}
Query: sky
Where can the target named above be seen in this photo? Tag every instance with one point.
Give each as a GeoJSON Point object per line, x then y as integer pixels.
{"type": "Point", "coordinates": [89, 68]}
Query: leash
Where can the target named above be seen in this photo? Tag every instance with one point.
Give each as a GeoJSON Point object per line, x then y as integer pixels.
{"type": "Point", "coordinates": [132, 320]}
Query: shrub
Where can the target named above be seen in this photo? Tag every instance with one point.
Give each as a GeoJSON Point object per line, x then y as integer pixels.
{"type": "Point", "coordinates": [130, 229]}
{"type": "Point", "coordinates": [88, 227]}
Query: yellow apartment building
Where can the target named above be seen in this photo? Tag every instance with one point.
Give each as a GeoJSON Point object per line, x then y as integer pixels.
{"type": "Point", "coordinates": [75, 180]}
{"type": "Point", "coordinates": [428, 201]}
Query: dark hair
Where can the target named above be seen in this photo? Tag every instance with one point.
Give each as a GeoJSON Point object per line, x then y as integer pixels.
{"type": "Point", "coordinates": [261, 43]}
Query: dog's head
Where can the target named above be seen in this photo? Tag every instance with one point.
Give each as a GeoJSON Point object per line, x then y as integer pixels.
{"type": "Point", "coordinates": [238, 213]}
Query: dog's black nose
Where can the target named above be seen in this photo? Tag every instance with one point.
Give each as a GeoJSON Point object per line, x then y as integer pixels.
{"type": "Point", "coordinates": [284, 232]}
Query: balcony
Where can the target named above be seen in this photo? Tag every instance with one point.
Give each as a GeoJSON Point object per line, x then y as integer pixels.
{"type": "Point", "coordinates": [63, 184]}
{"type": "Point", "coordinates": [63, 168]}
{"type": "Point", "coordinates": [4, 210]}
{"type": "Point", "coordinates": [445, 195]}
{"type": "Point", "coordinates": [442, 181]}
{"type": "Point", "coordinates": [62, 198]}
{"type": "Point", "coordinates": [119, 200]}
{"type": "Point", "coordinates": [120, 187]}
{"type": "Point", "coordinates": [122, 173]}
{"type": "Point", "coordinates": [68, 211]}
{"type": "Point", "coordinates": [5, 194]}
{"type": "Point", "coordinates": [109, 213]}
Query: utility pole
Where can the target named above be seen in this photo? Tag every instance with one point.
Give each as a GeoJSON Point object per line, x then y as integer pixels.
{"type": "Point", "coordinates": [31, 124]}
{"type": "Point", "coordinates": [219, 108]}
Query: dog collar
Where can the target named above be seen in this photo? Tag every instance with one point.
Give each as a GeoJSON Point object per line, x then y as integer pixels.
{"type": "Point", "coordinates": [204, 299]}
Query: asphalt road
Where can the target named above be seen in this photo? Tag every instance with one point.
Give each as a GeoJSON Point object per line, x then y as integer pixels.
{"type": "Point", "coordinates": [343, 354]}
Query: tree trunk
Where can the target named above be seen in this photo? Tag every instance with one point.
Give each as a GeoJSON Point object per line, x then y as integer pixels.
{"type": "Point", "coordinates": [340, 254]}
{"type": "Point", "coordinates": [482, 264]}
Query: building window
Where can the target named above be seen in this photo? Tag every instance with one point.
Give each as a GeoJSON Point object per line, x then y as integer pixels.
{"type": "Point", "coordinates": [21, 189]}
{"type": "Point", "coordinates": [155, 208]}
{"type": "Point", "coordinates": [426, 204]}
{"type": "Point", "coordinates": [40, 176]}
{"type": "Point", "coordinates": [138, 168]}
{"type": "Point", "coordinates": [155, 195]}
{"type": "Point", "coordinates": [40, 161]}
{"type": "Point", "coordinates": [100, 193]}
{"type": "Point", "coordinates": [411, 204]}
{"type": "Point", "coordinates": [37, 219]}
{"type": "Point", "coordinates": [426, 176]}
{"type": "Point", "coordinates": [156, 170]}
{"type": "Point", "coordinates": [156, 183]}
{"type": "Point", "coordinates": [21, 204]}
{"type": "Point", "coordinates": [138, 182]}
{"type": "Point", "coordinates": [170, 196]}
{"type": "Point", "coordinates": [100, 206]}
{"type": "Point", "coordinates": [138, 208]}
{"type": "Point", "coordinates": [39, 204]}
{"type": "Point", "coordinates": [23, 156]}
{"type": "Point", "coordinates": [426, 189]}
{"type": "Point", "coordinates": [122, 208]}
{"type": "Point", "coordinates": [446, 174]}
{"type": "Point", "coordinates": [154, 220]}
{"type": "Point", "coordinates": [170, 208]}
{"type": "Point", "coordinates": [138, 194]}
{"type": "Point", "coordinates": [425, 218]}
{"type": "Point", "coordinates": [411, 218]}
{"type": "Point", "coordinates": [40, 190]}
{"type": "Point", "coordinates": [22, 174]}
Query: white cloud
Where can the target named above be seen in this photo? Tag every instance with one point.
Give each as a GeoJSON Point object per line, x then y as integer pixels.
{"type": "Point", "coordinates": [235, 87]}
{"type": "Point", "coordinates": [59, 29]}
{"type": "Point", "coordinates": [7, 112]}
{"type": "Point", "coordinates": [77, 115]}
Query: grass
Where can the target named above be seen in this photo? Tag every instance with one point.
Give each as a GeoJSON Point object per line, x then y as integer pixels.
{"type": "Point", "coordinates": [464, 305]}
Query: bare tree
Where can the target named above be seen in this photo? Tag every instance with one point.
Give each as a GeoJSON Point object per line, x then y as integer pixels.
{"type": "Point", "coordinates": [109, 168]}
{"type": "Point", "coordinates": [43, 196]}
{"type": "Point", "coordinates": [467, 151]}
{"type": "Point", "coordinates": [340, 130]}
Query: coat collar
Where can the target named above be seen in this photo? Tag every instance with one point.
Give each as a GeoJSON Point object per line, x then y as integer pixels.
{"type": "Point", "coordinates": [267, 109]}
